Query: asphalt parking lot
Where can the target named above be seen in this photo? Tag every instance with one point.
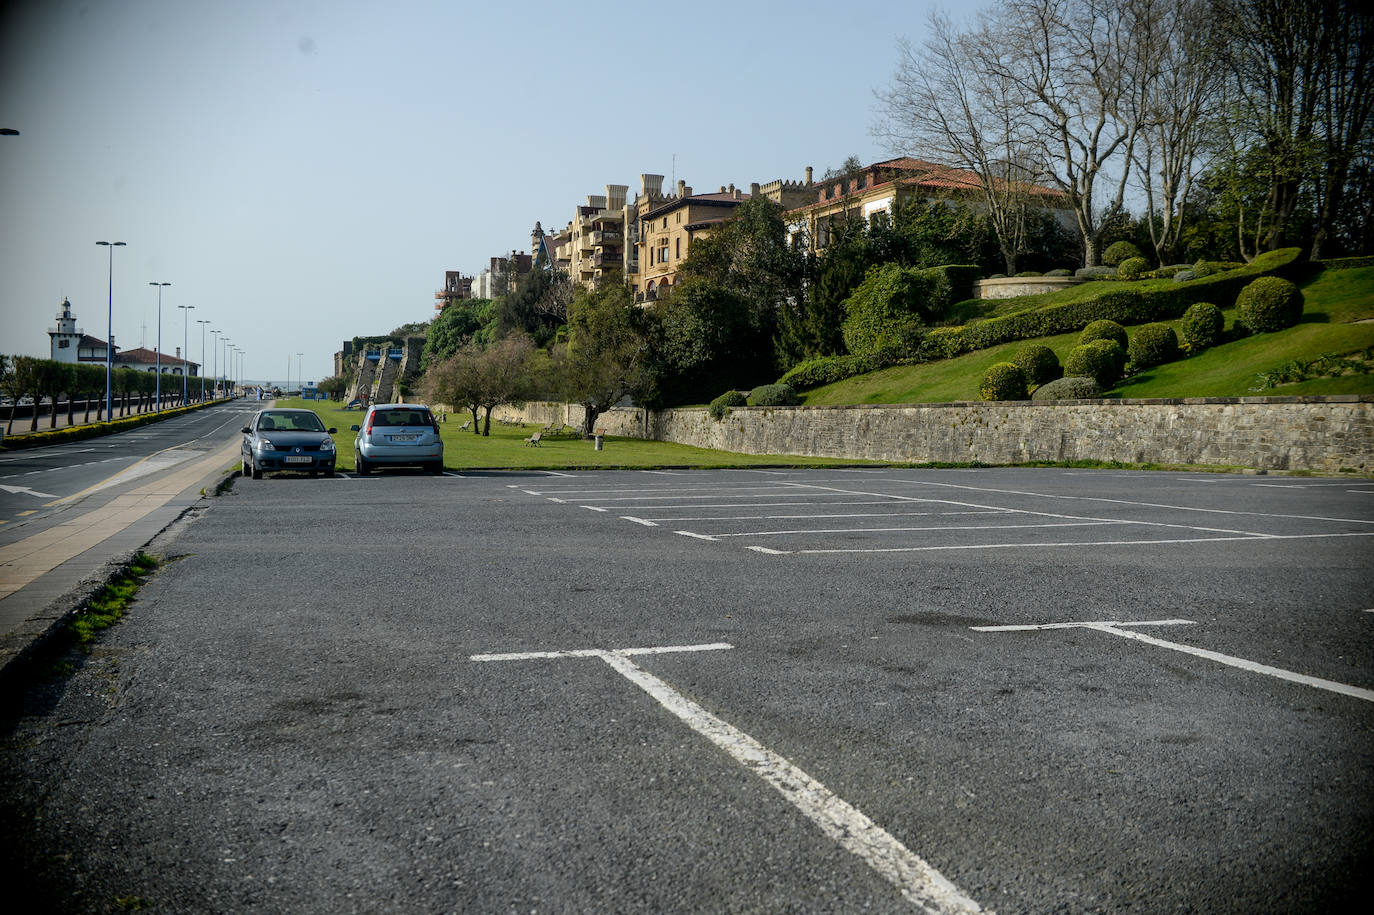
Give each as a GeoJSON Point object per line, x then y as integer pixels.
{"type": "Point", "coordinates": [765, 690]}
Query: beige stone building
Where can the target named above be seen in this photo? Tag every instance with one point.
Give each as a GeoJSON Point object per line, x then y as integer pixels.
{"type": "Point", "coordinates": [592, 248]}
{"type": "Point", "coordinates": [664, 226]}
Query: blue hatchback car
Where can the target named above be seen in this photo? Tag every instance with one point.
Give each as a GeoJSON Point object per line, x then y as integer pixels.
{"type": "Point", "coordinates": [287, 440]}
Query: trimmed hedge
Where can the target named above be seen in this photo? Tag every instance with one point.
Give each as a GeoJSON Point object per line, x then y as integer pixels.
{"type": "Point", "coordinates": [827, 370]}
{"type": "Point", "coordinates": [1040, 364]}
{"type": "Point", "coordinates": [1118, 252]}
{"type": "Point", "coordinates": [720, 407]}
{"type": "Point", "coordinates": [1003, 381]}
{"type": "Point", "coordinates": [1070, 387]}
{"type": "Point", "coordinates": [1101, 360]}
{"type": "Point", "coordinates": [1153, 344]}
{"type": "Point", "coordinates": [1346, 263]}
{"type": "Point", "coordinates": [1133, 267]}
{"type": "Point", "coordinates": [773, 395]}
{"type": "Point", "coordinates": [1270, 303]}
{"type": "Point", "coordinates": [1125, 306]}
{"type": "Point", "coordinates": [1201, 326]}
{"type": "Point", "coordinates": [1104, 330]}
{"type": "Point", "coordinates": [892, 303]}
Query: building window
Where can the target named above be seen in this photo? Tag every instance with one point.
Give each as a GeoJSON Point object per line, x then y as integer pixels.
{"type": "Point", "coordinates": [63, 344]}
{"type": "Point", "coordinates": [665, 222]}
{"type": "Point", "coordinates": [679, 219]}
{"type": "Point", "coordinates": [663, 251]}
{"type": "Point", "coordinates": [677, 252]}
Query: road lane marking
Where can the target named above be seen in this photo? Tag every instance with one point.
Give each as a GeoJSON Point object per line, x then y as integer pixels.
{"type": "Point", "coordinates": [1119, 629]}
{"type": "Point", "coordinates": [925, 528]}
{"type": "Point", "coordinates": [919, 882]}
{"type": "Point", "coordinates": [642, 521]}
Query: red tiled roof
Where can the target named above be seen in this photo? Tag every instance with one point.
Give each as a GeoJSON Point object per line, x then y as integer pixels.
{"type": "Point", "coordinates": [145, 356]}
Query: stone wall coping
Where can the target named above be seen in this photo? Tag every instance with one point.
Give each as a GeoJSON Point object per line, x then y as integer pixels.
{"type": "Point", "coordinates": [1096, 401]}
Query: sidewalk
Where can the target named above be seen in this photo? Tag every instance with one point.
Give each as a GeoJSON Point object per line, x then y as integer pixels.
{"type": "Point", "coordinates": [45, 576]}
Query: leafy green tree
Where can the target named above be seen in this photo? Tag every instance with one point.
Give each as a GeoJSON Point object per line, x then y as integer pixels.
{"type": "Point", "coordinates": [21, 381]}
{"type": "Point", "coordinates": [707, 337]}
{"type": "Point", "coordinates": [456, 381]}
{"type": "Point", "coordinates": [333, 386]}
{"type": "Point", "coordinates": [459, 322]}
{"type": "Point", "coordinates": [607, 356]}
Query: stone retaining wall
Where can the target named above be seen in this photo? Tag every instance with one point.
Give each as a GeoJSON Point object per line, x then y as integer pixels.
{"type": "Point", "coordinates": [1322, 434]}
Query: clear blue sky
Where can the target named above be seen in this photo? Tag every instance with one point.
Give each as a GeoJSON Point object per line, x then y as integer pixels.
{"type": "Point", "coordinates": [302, 172]}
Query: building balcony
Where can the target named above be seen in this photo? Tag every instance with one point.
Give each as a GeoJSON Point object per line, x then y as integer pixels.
{"type": "Point", "coordinates": [606, 259]}
{"type": "Point", "coordinates": [606, 238]}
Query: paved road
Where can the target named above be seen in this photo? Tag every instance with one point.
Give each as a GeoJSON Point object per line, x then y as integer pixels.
{"type": "Point", "coordinates": [41, 483]}
{"type": "Point", "coordinates": [724, 691]}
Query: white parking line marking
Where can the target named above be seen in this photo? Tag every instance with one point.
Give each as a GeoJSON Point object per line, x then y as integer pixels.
{"type": "Point", "coordinates": [1229, 660]}
{"type": "Point", "coordinates": [889, 530]}
{"type": "Point", "coordinates": [1038, 626]}
{"type": "Point", "coordinates": [642, 521]}
{"type": "Point", "coordinates": [595, 509]}
{"type": "Point", "coordinates": [828, 515]}
{"type": "Point", "coordinates": [697, 536]}
{"type": "Point", "coordinates": [918, 882]}
{"type": "Point", "coordinates": [1081, 543]}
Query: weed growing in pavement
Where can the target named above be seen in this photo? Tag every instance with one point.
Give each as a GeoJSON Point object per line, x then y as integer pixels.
{"type": "Point", "coordinates": [107, 606]}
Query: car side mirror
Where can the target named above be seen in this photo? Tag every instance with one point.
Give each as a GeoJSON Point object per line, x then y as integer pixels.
{"type": "Point", "coordinates": [331, 430]}
{"type": "Point", "coordinates": [246, 430]}
{"type": "Point", "coordinates": [353, 428]}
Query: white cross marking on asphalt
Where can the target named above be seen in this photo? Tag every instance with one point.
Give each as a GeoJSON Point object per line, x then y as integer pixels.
{"type": "Point", "coordinates": [1117, 629]}
{"type": "Point", "coordinates": [918, 882]}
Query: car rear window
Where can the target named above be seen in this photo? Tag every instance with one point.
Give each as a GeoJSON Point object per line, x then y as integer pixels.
{"type": "Point", "coordinates": [291, 422]}
{"type": "Point", "coordinates": [402, 418]}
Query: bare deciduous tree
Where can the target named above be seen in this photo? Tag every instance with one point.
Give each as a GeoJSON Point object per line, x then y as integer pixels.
{"type": "Point", "coordinates": [947, 104]}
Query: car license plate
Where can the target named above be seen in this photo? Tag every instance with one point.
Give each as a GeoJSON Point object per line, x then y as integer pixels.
{"type": "Point", "coordinates": [298, 459]}
{"type": "Point", "coordinates": [404, 438]}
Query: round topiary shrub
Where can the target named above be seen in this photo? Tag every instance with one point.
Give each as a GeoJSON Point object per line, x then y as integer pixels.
{"type": "Point", "coordinates": [1103, 330]}
{"type": "Point", "coordinates": [1029, 273]}
{"type": "Point", "coordinates": [773, 395]}
{"type": "Point", "coordinates": [1070, 387]}
{"type": "Point", "coordinates": [1003, 381]}
{"type": "Point", "coordinates": [1269, 303]}
{"type": "Point", "coordinates": [1119, 251]}
{"type": "Point", "coordinates": [1201, 326]}
{"type": "Point", "coordinates": [1184, 276]}
{"type": "Point", "coordinates": [1101, 360]}
{"type": "Point", "coordinates": [1153, 344]}
{"type": "Point", "coordinates": [1202, 268]}
{"type": "Point", "coordinates": [1059, 271]}
{"type": "Point", "coordinates": [1039, 363]}
{"type": "Point", "coordinates": [720, 407]}
{"type": "Point", "coordinates": [1133, 267]}
{"type": "Point", "coordinates": [1089, 273]}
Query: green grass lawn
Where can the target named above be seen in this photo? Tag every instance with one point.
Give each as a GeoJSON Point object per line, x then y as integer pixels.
{"type": "Point", "coordinates": [505, 448]}
{"type": "Point", "coordinates": [1338, 318]}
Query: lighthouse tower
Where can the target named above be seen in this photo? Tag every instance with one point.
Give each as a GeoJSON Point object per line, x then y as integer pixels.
{"type": "Point", "coordinates": [65, 336]}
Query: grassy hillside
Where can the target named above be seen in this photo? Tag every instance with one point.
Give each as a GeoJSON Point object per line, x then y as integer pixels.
{"type": "Point", "coordinates": [1338, 318]}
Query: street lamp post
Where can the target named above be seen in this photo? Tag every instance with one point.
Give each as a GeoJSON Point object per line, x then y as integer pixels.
{"type": "Point", "coordinates": [300, 373]}
{"type": "Point", "coordinates": [159, 343]}
{"type": "Point", "coordinates": [109, 330]}
{"type": "Point", "coordinates": [202, 322]}
{"type": "Point", "coordinates": [215, 375]}
{"type": "Point", "coordinates": [185, 349]}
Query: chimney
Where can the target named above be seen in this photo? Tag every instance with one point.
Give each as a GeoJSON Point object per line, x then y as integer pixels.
{"type": "Point", "coordinates": [808, 176]}
{"type": "Point", "coordinates": [681, 188]}
{"type": "Point", "coordinates": [753, 188]}
{"type": "Point", "coordinates": [651, 185]}
{"type": "Point", "coordinates": [178, 352]}
{"type": "Point", "coordinates": [722, 189]}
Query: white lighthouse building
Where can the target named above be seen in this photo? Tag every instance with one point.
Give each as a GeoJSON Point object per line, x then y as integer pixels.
{"type": "Point", "coordinates": [70, 344]}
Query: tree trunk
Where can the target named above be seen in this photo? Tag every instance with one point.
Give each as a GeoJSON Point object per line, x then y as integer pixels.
{"type": "Point", "coordinates": [486, 422]}
{"type": "Point", "coordinates": [589, 419]}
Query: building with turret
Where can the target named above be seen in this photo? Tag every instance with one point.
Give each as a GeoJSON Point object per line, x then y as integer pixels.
{"type": "Point", "coordinates": [72, 344]}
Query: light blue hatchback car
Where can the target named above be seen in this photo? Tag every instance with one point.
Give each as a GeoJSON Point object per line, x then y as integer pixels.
{"type": "Point", "coordinates": [398, 435]}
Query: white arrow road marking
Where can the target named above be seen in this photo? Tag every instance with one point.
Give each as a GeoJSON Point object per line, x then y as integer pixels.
{"type": "Point", "coordinates": [27, 491]}
{"type": "Point", "coordinates": [1113, 628]}
{"type": "Point", "coordinates": [919, 883]}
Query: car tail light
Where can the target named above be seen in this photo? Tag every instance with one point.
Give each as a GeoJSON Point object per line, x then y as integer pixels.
{"type": "Point", "coordinates": [368, 428]}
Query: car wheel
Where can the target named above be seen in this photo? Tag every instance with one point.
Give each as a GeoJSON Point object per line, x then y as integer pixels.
{"type": "Point", "coordinates": [436, 467]}
{"type": "Point", "coordinates": [314, 473]}
{"type": "Point", "coordinates": [257, 471]}
{"type": "Point", "coordinates": [363, 468]}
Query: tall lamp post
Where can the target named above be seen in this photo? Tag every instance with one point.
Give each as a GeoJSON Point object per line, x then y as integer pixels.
{"type": "Point", "coordinates": [215, 374]}
{"type": "Point", "coordinates": [159, 343]}
{"type": "Point", "coordinates": [109, 330]}
{"type": "Point", "coordinates": [185, 350]}
{"type": "Point", "coordinates": [300, 372]}
{"type": "Point", "coordinates": [202, 322]}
